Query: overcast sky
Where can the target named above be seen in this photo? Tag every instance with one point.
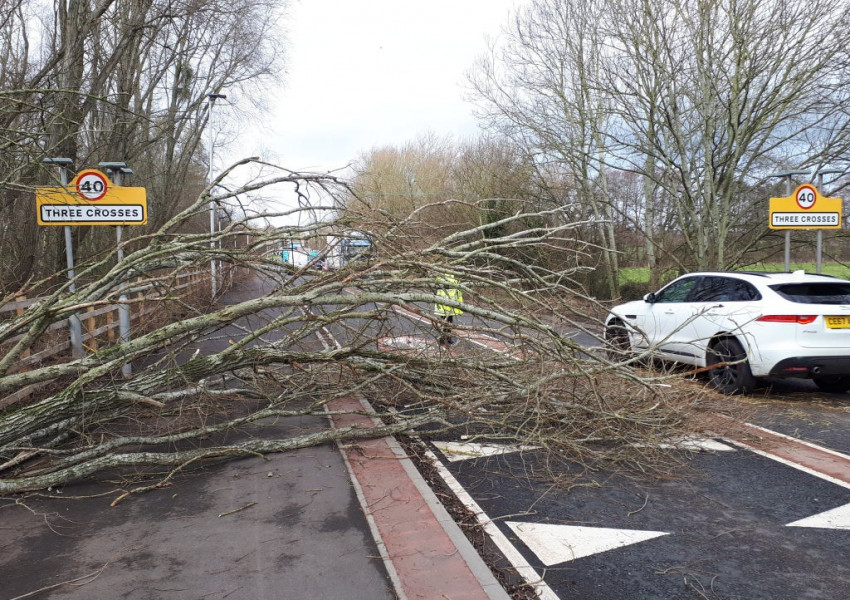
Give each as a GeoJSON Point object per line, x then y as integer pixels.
{"type": "Point", "coordinates": [368, 73]}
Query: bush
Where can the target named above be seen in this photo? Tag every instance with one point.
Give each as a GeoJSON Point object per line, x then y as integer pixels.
{"type": "Point", "coordinates": [633, 290]}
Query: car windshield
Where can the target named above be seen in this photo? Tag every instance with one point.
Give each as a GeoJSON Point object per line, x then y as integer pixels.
{"type": "Point", "coordinates": [815, 293]}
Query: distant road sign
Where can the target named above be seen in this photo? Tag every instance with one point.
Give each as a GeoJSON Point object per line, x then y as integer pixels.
{"type": "Point", "coordinates": [91, 199]}
{"type": "Point", "coordinates": [805, 209]}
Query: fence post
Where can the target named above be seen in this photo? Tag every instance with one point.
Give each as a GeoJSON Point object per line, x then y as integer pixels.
{"type": "Point", "coordinates": [92, 325]}
{"type": "Point", "coordinates": [110, 324]}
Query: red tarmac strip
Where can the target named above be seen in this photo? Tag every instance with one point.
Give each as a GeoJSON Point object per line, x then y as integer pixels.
{"type": "Point", "coordinates": [795, 452]}
{"type": "Point", "coordinates": [427, 561]}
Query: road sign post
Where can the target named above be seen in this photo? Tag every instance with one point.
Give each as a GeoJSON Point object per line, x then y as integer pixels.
{"type": "Point", "coordinates": [806, 208]}
{"type": "Point", "coordinates": [90, 198]}
{"type": "Point", "coordinates": [75, 327]}
{"type": "Point", "coordinates": [117, 170]}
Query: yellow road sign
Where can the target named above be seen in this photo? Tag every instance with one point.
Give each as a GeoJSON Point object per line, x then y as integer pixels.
{"type": "Point", "coordinates": [805, 209]}
{"type": "Point", "coordinates": [91, 199]}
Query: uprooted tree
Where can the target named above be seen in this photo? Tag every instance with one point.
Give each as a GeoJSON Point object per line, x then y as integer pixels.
{"type": "Point", "coordinates": [289, 338]}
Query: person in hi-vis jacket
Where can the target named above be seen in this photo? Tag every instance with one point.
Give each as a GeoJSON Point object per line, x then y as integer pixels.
{"type": "Point", "coordinates": [449, 290]}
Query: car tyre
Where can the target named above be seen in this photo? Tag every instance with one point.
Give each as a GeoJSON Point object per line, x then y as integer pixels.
{"type": "Point", "coordinates": [733, 376]}
{"type": "Point", "coordinates": [619, 344]}
{"type": "Point", "coordinates": [836, 384]}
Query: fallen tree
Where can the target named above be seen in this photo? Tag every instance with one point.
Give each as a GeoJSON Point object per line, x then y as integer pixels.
{"type": "Point", "coordinates": [289, 338]}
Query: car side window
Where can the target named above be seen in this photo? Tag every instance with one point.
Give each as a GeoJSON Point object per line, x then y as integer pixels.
{"type": "Point", "coordinates": [724, 289]}
{"type": "Point", "coordinates": [677, 291]}
{"type": "Point", "coordinates": [746, 291]}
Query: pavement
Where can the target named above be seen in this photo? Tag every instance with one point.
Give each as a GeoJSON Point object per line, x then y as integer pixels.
{"type": "Point", "coordinates": [350, 523]}
{"type": "Point", "coordinates": [356, 522]}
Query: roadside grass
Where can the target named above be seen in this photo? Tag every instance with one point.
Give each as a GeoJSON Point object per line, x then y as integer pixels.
{"type": "Point", "coordinates": [640, 275]}
{"type": "Point", "coordinates": [834, 269]}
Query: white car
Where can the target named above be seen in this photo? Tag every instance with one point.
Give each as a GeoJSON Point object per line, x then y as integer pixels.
{"type": "Point", "coordinates": [743, 326]}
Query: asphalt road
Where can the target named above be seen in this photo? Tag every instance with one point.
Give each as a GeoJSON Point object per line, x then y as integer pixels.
{"type": "Point", "coordinates": [737, 523]}
{"type": "Point", "coordinates": [256, 528]}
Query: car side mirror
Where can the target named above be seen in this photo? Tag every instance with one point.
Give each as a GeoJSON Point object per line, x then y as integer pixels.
{"type": "Point", "coordinates": [650, 298]}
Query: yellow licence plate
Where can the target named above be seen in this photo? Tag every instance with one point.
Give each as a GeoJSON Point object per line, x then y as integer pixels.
{"type": "Point", "coordinates": [838, 322]}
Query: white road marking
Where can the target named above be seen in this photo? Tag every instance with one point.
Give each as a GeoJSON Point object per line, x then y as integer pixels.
{"type": "Point", "coordinates": [454, 451]}
{"type": "Point", "coordinates": [693, 444]}
{"type": "Point", "coordinates": [799, 441]}
{"type": "Point", "coordinates": [525, 570]}
{"type": "Point", "coordinates": [790, 463]}
{"type": "Point", "coordinates": [837, 518]}
{"type": "Point", "coordinates": [554, 544]}
{"type": "Point", "coordinates": [407, 342]}
{"type": "Point", "coordinates": [476, 338]}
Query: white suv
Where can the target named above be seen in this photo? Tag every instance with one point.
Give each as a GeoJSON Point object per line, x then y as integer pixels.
{"type": "Point", "coordinates": [743, 326]}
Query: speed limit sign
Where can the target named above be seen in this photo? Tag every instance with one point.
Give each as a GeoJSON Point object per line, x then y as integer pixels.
{"type": "Point", "coordinates": [90, 198]}
{"type": "Point", "coordinates": [92, 185]}
{"type": "Point", "coordinates": [805, 209]}
{"type": "Point", "coordinates": [806, 196]}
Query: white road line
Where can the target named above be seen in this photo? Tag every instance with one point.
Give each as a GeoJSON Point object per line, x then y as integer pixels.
{"type": "Point", "coordinates": [525, 570]}
{"type": "Point", "coordinates": [479, 339]}
{"type": "Point", "coordinates": [799, 441]}
{"type": "Point", "coordinates": [789, 463]}
{"type": "Point", "coordinates": [323, 334]}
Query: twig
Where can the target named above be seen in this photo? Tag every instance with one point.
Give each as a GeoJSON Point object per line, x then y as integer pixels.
{"type": "Point", "coordinates": [93, 575]}
{"type": "Point", "coordinates": [634, 512]}
{"type": "Point", "coordinates": [236, 510]}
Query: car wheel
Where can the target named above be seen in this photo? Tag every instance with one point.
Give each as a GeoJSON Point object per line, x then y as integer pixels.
{"type": "Point", "coordinates": [833, 385]}
{"type": "Point", "coordinates": [732, 374]}
{"type": "Point", "coordinates": [617, 337]}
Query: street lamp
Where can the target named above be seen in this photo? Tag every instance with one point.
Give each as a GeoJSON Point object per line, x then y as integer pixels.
{"type": "Point", "coordinates": [212, 98]}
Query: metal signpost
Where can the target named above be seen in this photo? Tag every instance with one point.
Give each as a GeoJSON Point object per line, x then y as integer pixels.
{"type": "Point", "coordinates": [91, 199]}
{"type": "Point", "coordinates": [117, 170]}
{"type": "Point", "coordinates": [74, 323]}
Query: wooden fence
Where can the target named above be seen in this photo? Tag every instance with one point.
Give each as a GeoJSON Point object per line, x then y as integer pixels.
{"type": "Point", "coordinates": [99, 325]}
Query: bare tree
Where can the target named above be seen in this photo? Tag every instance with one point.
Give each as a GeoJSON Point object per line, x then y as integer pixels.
{"type": "Point", "coordinates": [703, 100]}
{"type": "Point", "coordinates": [304, 337]}
{"type": "Point", "coordinates": [540, 88]}
{"type": "Point", "coordinates": [108, 81]}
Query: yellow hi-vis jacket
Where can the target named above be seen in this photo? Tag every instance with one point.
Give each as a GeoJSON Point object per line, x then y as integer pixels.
{"type": "Point", "coordinates": [450, 292]}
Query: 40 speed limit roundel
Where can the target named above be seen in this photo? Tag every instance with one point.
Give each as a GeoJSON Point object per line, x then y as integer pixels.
{"type": "Point", "coordinates": [92, 185]}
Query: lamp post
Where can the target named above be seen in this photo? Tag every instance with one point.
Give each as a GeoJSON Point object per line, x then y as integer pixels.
{"type": "Point", "coordinates": [212, 98]}
{"type": "Point", "coordinates": [74, 324]}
